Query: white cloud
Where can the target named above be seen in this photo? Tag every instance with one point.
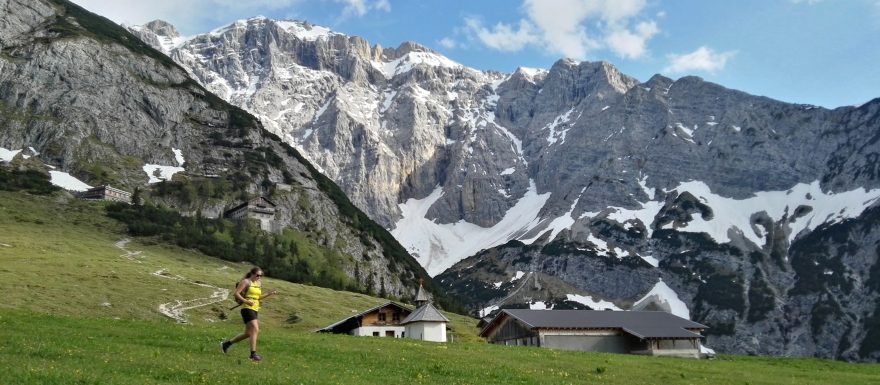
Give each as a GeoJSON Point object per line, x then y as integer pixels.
{"type": "Point", "coordinates": [503, 37]}
{"type": "Point", "coordinates": [382, 5]}
{"type": "Point", "coordinates": [703, 59]}
{"type": "Point", "coordinates": [353, 7]}
{"type": "Point", "coordinates": [361, 7]}
{"type": "Point", "coordinates": [573, 28]}
{"type": "Point", "coordinates": [448, 43]}
{"type": "Point", "coordinates": [561, 25]}
{"type": "Point", "coordinates": [631, 45]}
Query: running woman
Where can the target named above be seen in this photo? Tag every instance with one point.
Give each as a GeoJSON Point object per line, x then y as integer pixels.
{"type": "Point", "coordinates": [249, 293]}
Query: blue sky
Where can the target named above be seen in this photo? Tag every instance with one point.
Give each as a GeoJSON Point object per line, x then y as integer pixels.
{"type": "Point", "coordinates": [823, 52]}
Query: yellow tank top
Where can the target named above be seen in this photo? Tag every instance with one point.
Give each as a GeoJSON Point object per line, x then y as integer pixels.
{"type": "Point", "coordinates": [254, 292]}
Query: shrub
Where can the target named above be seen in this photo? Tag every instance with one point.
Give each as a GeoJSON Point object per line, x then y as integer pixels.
{"type": "Point", "coordinates": [290, 256]}
{"type": "Point", "coordinates": [31, 181]}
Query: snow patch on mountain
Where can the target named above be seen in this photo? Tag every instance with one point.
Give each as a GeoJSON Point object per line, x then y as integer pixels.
{"type": "Point", "coordinates": [305, 31]}
{"type": "Point", "coordinates": [531, 73]}
{"type": "Point", "coordinates": [515, 142]}
{"type": "Point", "coordinates": [178, 156]}
{"type": "Point", "coordinates": [645, 214]}
{"type": "Point", "coordinates": [651, 260]}
{"type": "Point", "coordinates": [539, 306]}
{"type": "Point", "coordinates": [686, 133]}
{"type": "Point", "coordinates": [488, 310]}
{"type": "Point", "coordinates": [734, 214]}
{"type": "Point", "coordinates": [409, 61]}
{"type": "Point", "coordinates": [592, 303]}
{"type": "Point", "coordinates": [560, 120]}
{"type": "Point", "coordinates": [438, 246]}
{"type": "Point", "coordinates": [67, 181]}
{"type": "Point", "coordinates": [517, 276]}
{"type": "Point", "coordinates": [158, 173]}
{"type": "Point", "coordinates": [560, 223]}
{"type": "Point", "coordinates": [6, 155]}
{"type": "Point", "coordinates": [643, 183]}
{"type": "Point", "coordinates": [665, 298]}
{"type": "Point", "coordinates": [389, 98]}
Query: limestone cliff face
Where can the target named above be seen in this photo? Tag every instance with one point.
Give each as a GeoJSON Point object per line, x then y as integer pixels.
{"type": "Point", "coordinates": [94, 101]}
{"type": "Point", "coordinates": [390, 125]}
{"type": "Point", "coordinates": [607, 182]}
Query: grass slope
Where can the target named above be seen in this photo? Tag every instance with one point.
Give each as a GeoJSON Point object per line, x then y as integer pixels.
{"type": "Point", "coordinates": [81, 308]}
{"type": "Point", "coordinates": [65, 257]}
{"type": "Point", "coordinates": [49, 349]}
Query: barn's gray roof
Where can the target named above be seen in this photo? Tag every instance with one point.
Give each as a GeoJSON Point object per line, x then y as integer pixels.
{"type": "Point", "coordinates": [642, 324]}
{"type": "Point", "coordinates": [426, 313]}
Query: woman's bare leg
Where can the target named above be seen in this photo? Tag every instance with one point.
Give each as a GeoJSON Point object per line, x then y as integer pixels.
{"type": "Point", "coordinates": [253, 329]}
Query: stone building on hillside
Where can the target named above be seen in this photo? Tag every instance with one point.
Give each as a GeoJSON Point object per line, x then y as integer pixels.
{"type": "Point", "coordinates": [260, 208]}
{"type": "Point", "coordinates": [653, 333]}
{"type": "Point", "coordinates": [106, 193]}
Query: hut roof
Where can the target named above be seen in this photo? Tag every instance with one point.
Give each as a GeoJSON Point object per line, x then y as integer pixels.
{"type": "Point", "coordinates": [248, 202]}
{"type": "Point", "coordinates": [331, 327]}
{"type": "Point", "coordinates": [641, 324]}
{"type": "Point", "coordinates": [425, 313]}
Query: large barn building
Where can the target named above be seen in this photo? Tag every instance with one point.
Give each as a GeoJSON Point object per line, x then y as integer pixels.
{"type": "Point", "coordinates": [653, 333]}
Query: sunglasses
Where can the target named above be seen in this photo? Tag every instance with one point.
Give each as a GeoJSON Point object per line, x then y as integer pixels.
{"type": "Point", "coordinates": [258, 275]}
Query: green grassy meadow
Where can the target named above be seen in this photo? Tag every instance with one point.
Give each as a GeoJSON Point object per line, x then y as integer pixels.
{"type": "Point", "coordinates": [79, 307]}
{"type": "Point", "coordinates": [50, 349]}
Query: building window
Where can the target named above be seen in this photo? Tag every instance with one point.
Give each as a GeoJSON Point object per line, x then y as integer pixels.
{"type": "Point", "coordinates": [375, 334]}
{"type": "Point", "coordinates": [395, 317]}
{"type": "Point", "coordinates": [381, 317]}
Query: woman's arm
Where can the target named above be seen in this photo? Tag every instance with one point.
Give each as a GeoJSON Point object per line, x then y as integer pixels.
{"type": "Point", "coordinates": [239, 292]}
{"type": "Point", "coordinates": [271, 293]}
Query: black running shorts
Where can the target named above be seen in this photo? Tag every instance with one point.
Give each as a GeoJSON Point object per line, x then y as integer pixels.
{"type": "Point", "coordinates": [248, 315]}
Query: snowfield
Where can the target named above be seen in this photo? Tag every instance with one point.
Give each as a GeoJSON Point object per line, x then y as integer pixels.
{"type": "Point", "coordinates": [439, 246]}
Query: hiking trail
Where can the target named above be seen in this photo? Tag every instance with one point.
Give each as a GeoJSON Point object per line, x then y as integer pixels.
{"type": "Point", "coordinates": [175, 310]}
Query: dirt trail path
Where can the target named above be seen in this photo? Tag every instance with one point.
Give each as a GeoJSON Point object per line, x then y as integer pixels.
{"type": "Point", "coordinates": [176, 310]}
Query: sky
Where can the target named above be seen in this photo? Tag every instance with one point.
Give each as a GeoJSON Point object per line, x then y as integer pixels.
{"type": "Point", "coordinates": [820, 52]}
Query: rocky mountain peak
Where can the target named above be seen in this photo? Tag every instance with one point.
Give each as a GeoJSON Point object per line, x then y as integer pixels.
{"type": "Point", "coordinates": [571, 83]}
{"type": "Point", "coordinates": [658, 81]}
{"type": "Point", "coordinates": [405, 48]}
{"type": "Point", "coordinates": [159, 34]}
{"type": "Point", "coordinates": [162, 28]}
